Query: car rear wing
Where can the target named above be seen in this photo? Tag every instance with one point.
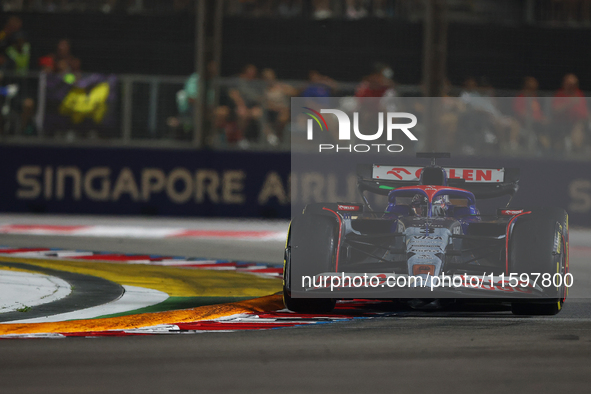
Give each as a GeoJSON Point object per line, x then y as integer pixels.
{"type": "Point", "coordinates": [482, 182]}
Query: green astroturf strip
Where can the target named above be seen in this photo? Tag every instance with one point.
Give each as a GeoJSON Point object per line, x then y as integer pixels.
{"type": "Point", "coordinates": [175, 303]}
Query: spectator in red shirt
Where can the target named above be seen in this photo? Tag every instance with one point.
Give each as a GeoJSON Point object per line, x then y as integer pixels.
{"type": "Point", "coordinates": [377, 84]}
{"type": "Point", "coordinates": [570, 114]}
{"type": "Point", "coordinates": [569, 101]}
{"type": "Point", "coordinates": [62, 60]}
{"type": "Point", "coordinates": [528, 109]}
{"type": "Point", "coordinates": [527, 104]}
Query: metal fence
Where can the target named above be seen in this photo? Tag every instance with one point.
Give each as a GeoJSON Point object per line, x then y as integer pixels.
{"type": "Point", "coordinates": [148, 110]}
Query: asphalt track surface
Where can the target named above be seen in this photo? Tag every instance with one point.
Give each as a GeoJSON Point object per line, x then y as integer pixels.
{"type": "Point", "coordinates": [419, 352]}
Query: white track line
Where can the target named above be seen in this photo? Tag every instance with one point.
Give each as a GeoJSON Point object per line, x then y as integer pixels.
{"type": "Point", "coordinates": [106, 231]}
{"type": "Point", "coordinates": [133, 298]}
{"type": "Point", "coordinates": [23, 289]}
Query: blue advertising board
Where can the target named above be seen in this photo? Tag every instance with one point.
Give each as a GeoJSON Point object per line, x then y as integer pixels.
{"type": "Point", "coordinates": [126, 181]}
{"type": "Point", "coordinates": [133, 181]}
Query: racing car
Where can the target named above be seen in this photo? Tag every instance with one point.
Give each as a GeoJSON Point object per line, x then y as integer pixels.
{"type": "Point", "coordinates": [430, 230]}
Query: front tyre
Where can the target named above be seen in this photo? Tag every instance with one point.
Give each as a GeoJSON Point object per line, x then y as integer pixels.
{"type": "Point", "coordinates": [539, 243]}
{"type": "Point", "coordinates": [308, 305]}
{"type": "Point", "coordinates": [312, 240]}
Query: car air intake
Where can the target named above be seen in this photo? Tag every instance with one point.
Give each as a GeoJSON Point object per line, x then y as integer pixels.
{"type": "Point", "coordinates": [433, 176]}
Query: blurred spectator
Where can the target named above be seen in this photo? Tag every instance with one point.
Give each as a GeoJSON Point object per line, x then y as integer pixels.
{"type": "Point", "coordinates": [276, 106]}
{"type": "Point", "coordinates": [565, 10]}
{"type": "Point", "coordinates": [383, 8]}
{"type": "Point", "coordinates": [526, 103]}
{"type": "Point", "coordinates": [15, 52]}
{"type": "Point", "coordinates": [318, 90]}
{"type": "Point", "coordinates": [356, 9]}
{"type": "Point", "coordinates": [7, 113]}
{"type": "Point", "coordinates": [183, 125]}
{"type": "Point", "coordinates": [26, 122]}
{"type": "Point", "coordinates": [108, 6]}
{"type": "Point", "coordinates": [474, 124]}
{"type": "Point", "coordinates": [8, 37]}
{"type": "Point", "coordinates": [528, 109]}
{"type": "Point", "coordinates": [232, 7]}
{"type": "Point", "coordinates": [19, 54]}
{"type": "Point", "coordinates": [185, 99]}
{"type": "Point", "coordinates": [289, 8]}
{"type": "Point", "coordinates": [449, 117]}
{"type": "Point", "coordinates": [483, 125]}
{"type": "Point", "coordinates": [64, 54]}
{"type": "Point", "coordinates": [319, 85]}
{"type": "Point", "coordinates": [570, 12]}
{"type": "Point", "coordinates": [321, 9]}
{"type": "Point", "coordinates": [242, 7]}
{"type": "Point", "coordinates": [506, 127]}
{"type": "Point", "coordinates": [48, 6]}
{"type": "Point", "coordinates": [570, 115]}
{"type": "Point", "coordinates": [182, 5]}
{"type": "Point", "coordinates": [246, 97]}
{"type": "Point", "coordinates": [11, 5]}
{"type": "Point", "coordinates": [377, 84]}
{"type": "Point", "coordinates": [62, 61]}
{"type": "Point", "coordinates": [586, 12]}
{"type": "Point", "coordinates": [266, 8]}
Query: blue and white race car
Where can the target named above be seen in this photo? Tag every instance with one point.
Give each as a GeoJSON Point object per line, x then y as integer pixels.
{"type": "Point", "coordinates": [431, 246]}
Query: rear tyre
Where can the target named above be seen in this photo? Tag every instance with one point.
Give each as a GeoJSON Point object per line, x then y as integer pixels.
{"type": "Point", "coordinates": [312, 244]}
{"type": "Point", "coordinates": [533, 249]}
{"type": "Point", "coordinates": [530, 309]}
{"type": "Point", "coordinates": [308, 305]}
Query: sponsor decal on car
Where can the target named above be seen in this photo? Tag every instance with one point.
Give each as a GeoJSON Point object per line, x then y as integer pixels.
{"type": "Point", "coordinates": [423, 269]}
{"type": "Point", "coordinates": [427, 245]}
{"type": "Point", "coordinates": [412, 173]}
{"type": "Point", "coordinates": [511, 212]}
{"type": "Point", "coordinates": [348, 207]}
{"type": "Point", "coordinates": [426, 237]}
{"type": "Point", "coordinates": [557, 239]}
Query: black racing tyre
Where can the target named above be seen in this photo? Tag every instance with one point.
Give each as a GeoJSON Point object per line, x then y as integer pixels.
{"type": "Point", "coordinates": [533, 248]}
{"type": "Point", "coordinates": [533, 309]}
{"type": "Point", "coordinates": [312, 244]}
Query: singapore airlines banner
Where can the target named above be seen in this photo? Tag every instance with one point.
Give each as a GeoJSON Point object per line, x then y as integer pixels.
{"type": "Point", "coordinates": [238, 184]}
{"type": "Point", "coordinates": [143, 182]}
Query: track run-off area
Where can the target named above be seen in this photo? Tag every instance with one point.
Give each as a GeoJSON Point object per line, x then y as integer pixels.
{"type": "Point", "coordinates": [153, 282]}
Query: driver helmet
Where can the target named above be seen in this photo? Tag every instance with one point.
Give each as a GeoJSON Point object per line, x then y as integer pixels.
{"type": "Point", "coordinates": [419, 205]}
